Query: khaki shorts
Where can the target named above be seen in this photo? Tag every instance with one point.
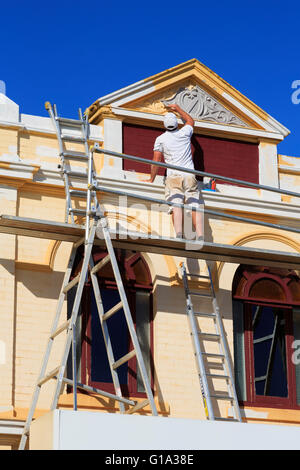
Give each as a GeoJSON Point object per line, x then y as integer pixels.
{"type": "Point", "coordinates": [183, 189]}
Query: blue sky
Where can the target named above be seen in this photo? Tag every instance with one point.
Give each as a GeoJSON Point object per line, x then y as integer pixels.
{"type": "Point", "coordinates": [73, 52]}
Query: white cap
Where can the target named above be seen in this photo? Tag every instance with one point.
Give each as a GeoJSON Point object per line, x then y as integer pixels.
{"type": "Point", "coordinates": [170, 121]}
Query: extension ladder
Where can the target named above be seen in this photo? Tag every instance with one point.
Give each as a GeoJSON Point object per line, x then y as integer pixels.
{"type": "Point", "coordinates": [201, 356]}
{"type": "Point", "coordinates": [94, 220]}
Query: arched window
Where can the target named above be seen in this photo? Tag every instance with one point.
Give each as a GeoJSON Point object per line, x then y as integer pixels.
{"type": "Point", "coordinates": [92, 358]}
{"type": "Point", "coordinates": [266, 321]}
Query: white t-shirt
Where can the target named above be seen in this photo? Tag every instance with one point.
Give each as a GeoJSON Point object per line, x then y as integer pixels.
{"type": "Point", "coordinates": [176, 148]}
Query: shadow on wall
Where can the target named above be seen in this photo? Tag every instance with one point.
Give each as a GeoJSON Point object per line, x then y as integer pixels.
{"type": "Point", "coordinates": [8, 264]}
{"type": "Point", "coordinates": [198, 157]}
{"type": "Point", "coordinates": [42, 285]}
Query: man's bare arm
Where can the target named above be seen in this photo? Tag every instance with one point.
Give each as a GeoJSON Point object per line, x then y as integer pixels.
{"type": "Point", "coordinates": [185, 116]}
{"type": "Point", "coordinates": [157, 157]}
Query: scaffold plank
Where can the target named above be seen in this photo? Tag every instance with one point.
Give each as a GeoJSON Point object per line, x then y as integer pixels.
{"type": "Point", "coordinates": [143, 242]}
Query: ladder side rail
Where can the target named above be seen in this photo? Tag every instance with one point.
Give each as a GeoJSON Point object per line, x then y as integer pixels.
{"type": "Point", "coordinates": [46, 356]}
{"type": "Point", "coordinates": [89, 194]}
{"type": "Point", "coordinates": [224, 348]}
{"type": "Point", "coordinates": [93, 172]}
{"type": "Point", "coordinates": [74, 315]}
{"type": "Point", "coordinates": [128, 317]}
{"type": "Point", "coordinates": [56, 123]}
{"type": "Point", "coordinates": [63, 162]}
{"type": "Point", "coordinates": [198, 353]}
{"type": "Point", "coordinates": [85, 129]}
{"type": "Point", "coordinates": [106, 336]}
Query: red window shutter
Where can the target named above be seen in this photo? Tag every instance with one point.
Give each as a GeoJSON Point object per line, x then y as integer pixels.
{"type": "Point", "coordinates": [226, 157]}
{"type": "Point", "coordinates": [139, 141]}
{"type": "Point", "coordinates": [235, 159]}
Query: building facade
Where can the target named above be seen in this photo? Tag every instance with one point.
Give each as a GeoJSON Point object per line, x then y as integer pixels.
{"type": "Point", "coordinates": [260, 305]}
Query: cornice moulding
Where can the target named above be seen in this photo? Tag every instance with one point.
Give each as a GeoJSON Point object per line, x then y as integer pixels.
{"type": "Point", "coordinates": [289, 169]}
{"type": "Point", "coordinates": [42, 125]}
{"type": "Point", "coordinates": [51, 180]}
{"type": "Point", "coordinates": [18, 169]}
{"type": "Point", "coordinates": [202, 125]}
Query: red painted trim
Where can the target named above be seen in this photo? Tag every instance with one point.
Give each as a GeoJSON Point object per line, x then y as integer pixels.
{"type": "Point", "coordinates": [257, 276]}
{"type": "Point", "coordinates": [266, 302]}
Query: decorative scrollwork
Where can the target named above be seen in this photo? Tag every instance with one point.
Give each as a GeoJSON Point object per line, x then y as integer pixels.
{"type": "Point", "coordinates": [202, 106]}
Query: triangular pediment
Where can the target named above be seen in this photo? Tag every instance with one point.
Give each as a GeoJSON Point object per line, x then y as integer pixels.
{"type": "Point", "coordinates": [193, 99]}
{"type": "Point", "coordinates": [198, 90]}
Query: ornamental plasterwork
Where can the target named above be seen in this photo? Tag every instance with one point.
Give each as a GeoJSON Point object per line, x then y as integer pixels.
{"type": "Point", "coordinates": [195, 101]}
{"type": "Point", "coordinates": [203, 107]}
{"type": "Point", "coordinates": [154, 104]}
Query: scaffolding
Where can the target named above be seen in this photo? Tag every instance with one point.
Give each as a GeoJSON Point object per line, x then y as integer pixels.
{"type": "Point", "coordinates": [77, 233]}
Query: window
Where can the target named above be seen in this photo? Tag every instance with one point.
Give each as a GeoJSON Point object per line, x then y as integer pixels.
{"type": "Point", "coordinates": [93, 366]}
{"type": "Point", "coordinates": [266, 318]}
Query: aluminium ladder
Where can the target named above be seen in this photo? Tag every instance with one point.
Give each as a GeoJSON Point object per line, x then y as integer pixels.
{"type": "Point", "coordinates": [197, 335]}
{"type": "Point", "coordinates": [94, 220]}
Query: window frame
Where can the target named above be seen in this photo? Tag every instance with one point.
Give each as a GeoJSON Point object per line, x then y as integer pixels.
{"type": "Point", "coordinates": [260, 400]}
{"type": "Point", "coordinates": [288, 305]}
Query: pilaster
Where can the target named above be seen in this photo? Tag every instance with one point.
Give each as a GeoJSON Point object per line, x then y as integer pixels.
{"type": "Point", "coordinates": [113, 140]}
{"type": "Point", "coordinates": [8, 205]}
{"type": "Point", "coordinates": [268, 170]}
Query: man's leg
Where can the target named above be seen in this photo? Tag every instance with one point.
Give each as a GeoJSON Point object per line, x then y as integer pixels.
{"type": "Point", "coordinates": [177, 221]}
{"type": "Point", "coordinates": [174, 193]}
{"type": "Point", "coordinates": [197, 218]}
{"type": "Point", "coordinates": [193, 197]}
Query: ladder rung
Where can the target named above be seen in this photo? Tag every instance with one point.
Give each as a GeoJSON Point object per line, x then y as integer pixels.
{"type": "Point", "coordinates": [228, 419]}
{"type": "Point", "coordinates": [75, 155]}
{"type": "Point", "coordinates": [71, 122]}
{"type": "Point", "coordinates": [126, 401]}
{"type": "Point", "coordinates": [77, 211]}
{"type": "Point", "coordinates": [200, 314]}
{"type": "Point", "coordinates": [72, 138]}
{"type": "Point", "coordinates": [209, 335]}
{"type": "Point", "coordinates": [71, 284]}
{"type": "Point", "coordinates": [49, 376]}
{"type": "Point", "coordinates": [100, 265]}
{"type": "Point", "coordinates": [223, 397]}
{"type": "Point", "coordinates": [76, 174]}
{"type": "Point", "coordinates": [123, 359]}
{"type": "Point", "coordinates": [218, 376]}
{"type": "Point", "coordinates": [80, 194]}
{"type": "Point", "coordinates": [113, 310]}
{"type": "Point", "coordinates": [201, 295]}
{"type": "Point", "coordinates": [200, 276]}
{"type": "Point", "coordinates": [217, 356]}
{"type": "Point", "coordinates": [137, 407]}
{"type": "Point", "coordinates": [61, 328]}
